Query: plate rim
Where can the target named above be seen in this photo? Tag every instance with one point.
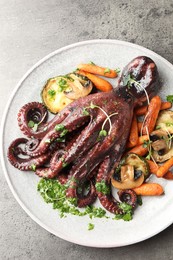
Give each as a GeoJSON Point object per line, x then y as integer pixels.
{"type": "Point", "coordinates": [3, 121]}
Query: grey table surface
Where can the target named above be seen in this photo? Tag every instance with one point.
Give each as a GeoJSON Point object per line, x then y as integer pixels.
{"type": "Point", "coordinates": [29, 31]}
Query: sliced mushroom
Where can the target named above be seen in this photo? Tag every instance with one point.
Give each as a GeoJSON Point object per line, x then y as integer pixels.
{"type": "Point", "coordinates": [165, 121]}
{"type": "Point", "coordinates": [162, 145]}
{"type": "Point", "coordinates": [79, 86]}
{"type": "Point", "coordinates": [127, 178]}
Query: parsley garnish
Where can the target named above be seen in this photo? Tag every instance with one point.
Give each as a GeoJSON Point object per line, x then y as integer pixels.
{"type": "Point", "coordinates": [102, 187]}
{"type": "Point", "coordinates": [107, 70]}
{"type": "Point", "coordinates": [169, 98]}
{"type": "Point", "coordinates": [33, 167]}
{"type": "Point", "coordinates": [90, 226]}
{"type": "Point", "coordinates": [54, 192]}
{"type": "Point", "coordinates": [62, 84]}
{"type": "Point", "coordinates": [61, 128]}
{"type": "Point", "coordinates": [117, 70]}
{"type": "Point", "coordinates": [128, 212]}
{"type": "Point", "coordinates": [33, 125]}
{"type": "Point", "coordinates": [51, 92]}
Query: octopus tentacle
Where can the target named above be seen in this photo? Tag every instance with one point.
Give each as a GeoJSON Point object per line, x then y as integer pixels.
{"type": "Point", "coordinates": [128, 196]}
{"type": "Point", "coordinates": [70, 123]}
{"type": "Point", "coordinates": [24, 164]}
{"type": "Point", "coordinates": [35, 112]}
{"type": "Point", "coordinates": [82, 200]}
{"type": "Point", "coordinates": [106, 199]}
{"type": "Point", "coordinates": [51, 171]}
{"type": "Point", "coordinates": [85, 200]}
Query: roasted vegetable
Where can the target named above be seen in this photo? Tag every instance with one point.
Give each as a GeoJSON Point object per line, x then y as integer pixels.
{"type": "Point", "coordinates": [162, 145]}
{"type": "Point", "coordinates": [165, 121]}
{"type": "Point", "coordinates": [131, 172]}
{"type": "Point", "coordinates": [62, 90]}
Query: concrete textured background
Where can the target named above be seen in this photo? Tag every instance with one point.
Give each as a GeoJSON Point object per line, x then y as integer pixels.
{"type": "Point", "coordinates": [29, 31]}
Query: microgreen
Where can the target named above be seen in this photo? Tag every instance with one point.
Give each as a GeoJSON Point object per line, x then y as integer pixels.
{"type": "Point", "coordinates": [85, 112]}
{"type": "Point", "coordinates": [129, 81]}
{"type": "Point", "coordinates": [103, 132]}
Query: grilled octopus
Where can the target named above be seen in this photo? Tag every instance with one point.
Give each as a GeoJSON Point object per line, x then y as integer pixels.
{"type": "Point", "coordinates": [84, 143]}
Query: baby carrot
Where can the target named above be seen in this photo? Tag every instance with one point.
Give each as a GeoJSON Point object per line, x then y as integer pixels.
{"type": "Point", "coordinates": [168, 175]}
{"type": "Point", "coordinates": [165, 105]}
{"type": "Point", "coordinates": [99, 83]}
{"type": "Point", "coordinates": [149, 189]}
{"type": "Point", "coordinates": [139, 126]}
{"type": "Point", "coordinates": [152, 114]}
{"type": "Point", "coordinates": [164, 168]}
{"type": "Point", "coordinates": [94, 69]}
{"type": "Point", "coordinates": [152, 166]}
{"type": "Point", "coordinates": [139, 150]}
{"type": "Point", "coordinates": [141, 111]}
{"type": "Point", "coordinates": [133, 137]}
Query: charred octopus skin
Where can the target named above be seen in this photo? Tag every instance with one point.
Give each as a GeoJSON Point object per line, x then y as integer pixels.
{"type": "Point", "coordinates": [94, 130]}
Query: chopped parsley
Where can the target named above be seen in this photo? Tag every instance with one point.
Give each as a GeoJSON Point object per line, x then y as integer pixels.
{"type": "Point", "coordinates": [107, 70]}
{"type": "Point", "coordinates": [90, 226]}
{"type": "Point", "coordinates": [33, 125]}
{"type": "Point", "coordinates": [51, 93]}
{"type": "Point", "coordinates": [54, 192]}
{"type": "Point", "coordinates": [117, 70]}
{"type": "Point", "coordinates": [33, 167]}
{"type": "Point", "coordinates": [128, 212]}
{"type": "Point", "coordinates": [61, 128]}
{"type": "Point", "coordinates": [62, 84]}
{"type": "Point", "coordinates": [169, 98]}
{"type": "Point", "coordinates": [102, 187]}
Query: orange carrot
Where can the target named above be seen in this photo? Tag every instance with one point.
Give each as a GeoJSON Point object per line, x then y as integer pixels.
{"type": "Point", "coordinates": [142, 139]}
{"type": "Point", "coordinates": [94, 69]}
{"type": "Point", "coordinates": [149, 189]}
{"type": "Point", "coordinates": [139, 126]}
{"type": "Point", "coordinates": [139, 150]}
{"type": "Point", "coordinates": [152, 114]}
{"type": "Point", "coordinates": [165, 105]}
{"type": "Point", "coordinates": [99, 83]}
{"type": "Point", "coordinates": [133, 136]}
{"type": "Point", "coordinates": [152, 166]}
{"type": "Point", "coordinates": [141, 111]}
{"type": "Point", "coordinates": [168, 175]}
{"type": "Point", "coordinates": [164, 168]}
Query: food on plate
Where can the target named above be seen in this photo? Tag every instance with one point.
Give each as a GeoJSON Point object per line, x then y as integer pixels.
{"type": "Point", "coordinates": [131, 172]}
{"type": "Point", "coordinates": [62, 90]}
{"type": "Point", "coordinates": [100, 83]}
{"type": "Point", "coordinates": [93, 143]}
{"type": "Point", "coordinates": [95, 69]}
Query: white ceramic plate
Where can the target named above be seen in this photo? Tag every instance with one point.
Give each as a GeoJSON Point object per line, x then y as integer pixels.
{"type": "Point", "coordinates": [154, 215]}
